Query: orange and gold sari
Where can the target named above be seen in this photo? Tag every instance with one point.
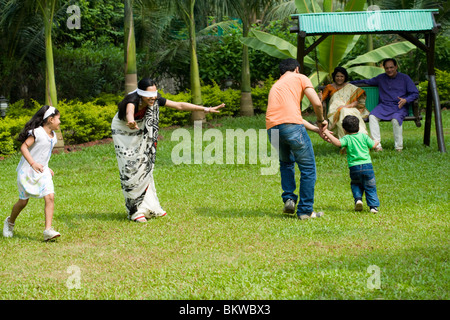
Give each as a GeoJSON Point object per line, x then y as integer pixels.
{"type": "Point", "coordinates": [340, 98]}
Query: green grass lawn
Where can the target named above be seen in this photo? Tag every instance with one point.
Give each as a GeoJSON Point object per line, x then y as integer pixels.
{"type": "Point", "coordinates": [225, 236]}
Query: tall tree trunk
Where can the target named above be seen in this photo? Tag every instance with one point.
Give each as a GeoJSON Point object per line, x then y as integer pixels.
{"type": "Point", "coordinates": [130, 49]}
{"type": "Point", "coordinates": [50, 84]}
{"type": "Point", "coordinates": [246, 108]}
{"type": "Point", "coordinates": [194, 71]}
{"type": "Point", "coordinates": [48, 9]}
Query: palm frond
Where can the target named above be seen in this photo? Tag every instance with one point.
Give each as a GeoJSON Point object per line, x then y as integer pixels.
{"type": "Point", "coordinates": [281, 11]}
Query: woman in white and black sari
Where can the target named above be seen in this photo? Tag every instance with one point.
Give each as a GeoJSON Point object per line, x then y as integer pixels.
{"type": "Point", "coordinates": [135, 134]}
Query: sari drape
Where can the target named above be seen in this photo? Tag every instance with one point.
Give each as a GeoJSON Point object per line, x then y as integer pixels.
{"type": "Point", "coordinates": [136, 154]}
{"type": "Point", "coordinates": [338, 99]}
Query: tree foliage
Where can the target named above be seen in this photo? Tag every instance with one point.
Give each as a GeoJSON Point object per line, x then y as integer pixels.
{"type": "Point", "coordinates": [88, 54]}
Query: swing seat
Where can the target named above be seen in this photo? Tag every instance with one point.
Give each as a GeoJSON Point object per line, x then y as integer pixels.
{"type": "Point", "coordinates": [372, 97]}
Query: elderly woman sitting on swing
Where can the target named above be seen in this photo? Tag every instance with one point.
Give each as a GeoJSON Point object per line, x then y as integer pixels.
{"type": "Point", "coordinates": [344, 99]}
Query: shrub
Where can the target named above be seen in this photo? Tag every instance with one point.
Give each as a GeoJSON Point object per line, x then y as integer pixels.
{"type": "Point", "coordinates": [212, 96]}
{"type": "Point", "coordinates": [19, 109]}
{"type": "Point", "coordinates": [443, 88]}
{"type": "Point", "coordinates": [88, 121]}
{"type": "Point", "coordinates": [86, 72]}
{"type": "Point", "coordinates": [260, 95]}
{"type": "Point", "coordinates": [84, 122]}
{"type": "Point", "coordinates": [168, 116]}
{"type": "Point", "coordinates": [80, 122]}
{"type": "Point", "coordinates": [9, 131]}
{"type": "Point", "coordinates": [6, 143]}
{"type": "Point", "coordinates": [105, 99]}
{"type": "Point", "coordinates": [10, 126]}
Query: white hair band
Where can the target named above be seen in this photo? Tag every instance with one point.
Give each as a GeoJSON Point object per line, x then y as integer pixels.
{"type": "Point", "coordinates": [144, 93]}
{"type": "Point", "coordinates": [49, 112]}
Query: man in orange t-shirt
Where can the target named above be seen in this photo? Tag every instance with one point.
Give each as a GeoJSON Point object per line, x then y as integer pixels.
{"type": "Point", "coordinates": [287, 132]}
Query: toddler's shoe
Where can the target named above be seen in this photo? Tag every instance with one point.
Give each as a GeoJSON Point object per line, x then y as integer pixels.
{"type": "Point", "coordinates": [50, 234]}
{"type": "Point", "coordinates": [8, 228]}
{"type": "Point", "coordinates": [358, 205]}
{"type": "Point", "coordinates": [374, 209]}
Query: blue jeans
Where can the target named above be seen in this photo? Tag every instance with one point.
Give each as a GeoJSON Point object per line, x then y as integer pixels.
{"type": "Point", "coordinates": [363, 180]}
{"type": "Point", "coordinates": [294, 146]}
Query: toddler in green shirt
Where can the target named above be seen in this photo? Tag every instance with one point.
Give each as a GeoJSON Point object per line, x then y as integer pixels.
{"type": "Point", "coordinates": [359, 162]}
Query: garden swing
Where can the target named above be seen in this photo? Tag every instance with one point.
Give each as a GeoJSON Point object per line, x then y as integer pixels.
{"type": "Point", "coordinates": [402, 22]}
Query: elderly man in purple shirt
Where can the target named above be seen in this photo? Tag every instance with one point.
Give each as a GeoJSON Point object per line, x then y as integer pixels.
{"type": "Point", "coordinates": [397, 91]}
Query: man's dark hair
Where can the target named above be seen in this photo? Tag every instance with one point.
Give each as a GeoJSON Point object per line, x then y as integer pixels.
{"type": "Point", "coordinates": [288, 65]}
{"type": "Point", "coordinates": [389, 59]}
{"type": "Point", "coordinates": [350, 124]}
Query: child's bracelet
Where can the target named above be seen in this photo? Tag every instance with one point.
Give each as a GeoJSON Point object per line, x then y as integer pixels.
{"type": "Point", "coordinates": [31, 165]}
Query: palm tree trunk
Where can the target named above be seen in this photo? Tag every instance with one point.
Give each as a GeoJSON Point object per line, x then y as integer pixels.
{"type": "Point", "coordinates": [194, 71]}
{"type": "Point", "coordinates": [48, 9]}
{"type": "Point", "coordinates": [246, 89]}
{"type": "Point", "coordinates": [50, 84]}
{"type": "Point", "coordinates": [130, 49]}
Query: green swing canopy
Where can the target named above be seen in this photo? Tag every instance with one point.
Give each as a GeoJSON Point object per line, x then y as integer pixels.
{"type": "Point", "coordinates": [386, 21]}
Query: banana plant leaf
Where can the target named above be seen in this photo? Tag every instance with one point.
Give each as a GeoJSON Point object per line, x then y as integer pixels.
{"type": "Point", "coordinates": [332, 50]}
{"type": "Point", "coordinates": [387, 51]}
{"type": "Point", "coordinates": [256, 44]}
{"type": "Point", "coordinates": [367, 72]}
{"type": "Point", "coordinates": [273, 46]}
{"type": "Point", "coordinates": [313, 77]}
{"type": "Point", "coordinates": [282, 45]}
{"type": "Point", "coordinates": [307, 6]}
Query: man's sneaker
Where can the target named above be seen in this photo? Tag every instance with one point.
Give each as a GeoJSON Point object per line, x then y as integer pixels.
{"type": "Point", "coordinates": [289, 206]}
{"type": "Point", "coordinates": [313, 214]}
{"type": "Point", "coordinates": [358, 205]}
{"type": "Point", "coordinates": [50, 234]}
{"type": "Point", "coordinates": [374, 209]}
{"type": "Point", "coordinates": [8, 228]}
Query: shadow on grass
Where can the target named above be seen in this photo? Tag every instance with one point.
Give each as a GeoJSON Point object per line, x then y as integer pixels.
{"type": "Point", "coordinates": [19, 236]}
{"type": "Point", "coordinates": [240, 213]}
{"type": "Point", "coordinates": [76, 220]}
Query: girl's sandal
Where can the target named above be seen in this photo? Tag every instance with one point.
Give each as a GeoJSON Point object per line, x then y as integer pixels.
{"type": "Point", "coordinates": [138, 217]}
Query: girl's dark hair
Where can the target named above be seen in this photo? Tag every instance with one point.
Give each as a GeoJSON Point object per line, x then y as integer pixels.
{"type": "Point", "coordinates": [350, 124]}
{"type": "Point", "coordinates": [35, 122]}
{"type": "Point", "coordinates": [341, 70]}
{"type": "Point", "coordinates": [133, 98]}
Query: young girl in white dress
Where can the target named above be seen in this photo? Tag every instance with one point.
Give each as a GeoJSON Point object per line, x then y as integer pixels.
{"type": "Point", "coordinates": [34, 177]}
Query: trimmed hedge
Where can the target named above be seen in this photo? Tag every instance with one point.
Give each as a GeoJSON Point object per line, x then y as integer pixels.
{"type": "Point", "coordinates": [84, 122]}
{"type": "Point", "coordinates": [443, 88]}
{"type": "Point", "coordinates": [80, 122]}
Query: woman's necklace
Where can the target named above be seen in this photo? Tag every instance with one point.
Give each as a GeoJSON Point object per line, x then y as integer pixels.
{"type": "Point", "coordinates": [339, 92]}
{"type": "Point", "coordinates": [339, 86]}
